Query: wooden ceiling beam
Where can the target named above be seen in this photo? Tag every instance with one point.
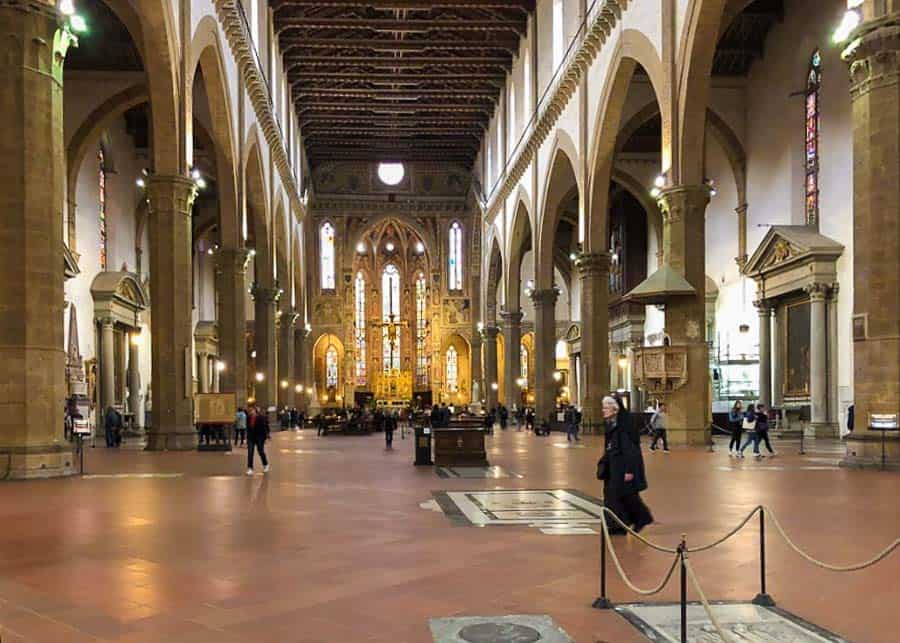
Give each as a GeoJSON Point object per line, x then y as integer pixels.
{"type": "Point", "coordinates": [381, 120]}
{"type": "Point", "coordinates": [427, 130]}
{"type": "Point", "coordinates": [353, 92]}
{"type": "Point", "coordinates": [395, 78]}
{"type": "Point", "coordinates": [290, 23]}
{"type": "Point", "coordinates": [413, 62]}
{"type": "Point", "coordinates": [291, 43]}
{"type": "Point", "coordinates": [524, 6]}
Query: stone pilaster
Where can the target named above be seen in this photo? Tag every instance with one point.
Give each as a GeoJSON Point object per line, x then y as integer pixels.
{"type": "Point", "coordinates": [170, 200]}
{"type": "Point", "coordinates": [231, 272]}
{"type": "Point", "coordinates": [134, 379]}
{"type": "Point", "coordinates": [477, 379]}
{"type": "Point", "coordinates": [593, 270]}
{"type": "Point", "coordinates": [203, 375]}
{"type": "Point", "coordinates": [875, 83]}
{"type": "Point", "coordinates": [818, 361]}
{"type": "Point", "coordinates": [765, 351]}
{"type": "Point", "coordinates": [107, 363]}
{"type": "Point", "coordinates": [683, 209]}
{"type": "Point", "coordinates": [511, 322]}
{"type": "Point", "coordinates": [32, 378]}
{"type": "Point", "coordinates": [301, 398]}
{"type": "Point", "coordinates": [265, 299]}
{"type": "Point", "coordinates": [544, 352]}
{"type": "Point", "coordinates": [778, 361]}
{"type": "Point", "coordinates": [286, 321]}
{"type": "Point", "coordinates": [489, 339]}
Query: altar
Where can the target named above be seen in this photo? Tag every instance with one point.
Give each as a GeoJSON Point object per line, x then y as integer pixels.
{"type": "Point", "coordinates": [392, 387]}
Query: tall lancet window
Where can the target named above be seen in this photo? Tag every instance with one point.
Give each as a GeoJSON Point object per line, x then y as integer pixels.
{"type": "Point", "coordinates": [101, 184]}
{"type": "Point", "coordinates": [813, 83]}
{"type": "Point", "coordinates": [421, 325]}
{"type": "Point", "coordinates": [524, 369]}
{"type": "Point", "coordinates": [326, 255]}
{"type": "Point", "coordinates": [452, 370]}
{"type": "Point", "coordinates": [360, 329]}
{"type": "Point", "coordinates": [456, 256]}
{"type": "Point", "coordinates": [390, 306]}
{"type": "Point", "coordinates": [331, 367]}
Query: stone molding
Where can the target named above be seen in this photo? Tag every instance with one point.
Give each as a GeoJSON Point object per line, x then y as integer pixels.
{"type": "Point", "coordinates": [42, 7]}
{"type": "Point", "coordinates": [338, 207]}
{"type": "Point", "coordinates": [875, 61]}
{"type": "Point", "coordinates": [596, 34]}
{"type": "Point", "coordinates": [245, 56]}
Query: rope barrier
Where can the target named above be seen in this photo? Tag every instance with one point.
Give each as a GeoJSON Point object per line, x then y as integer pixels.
{"type": "Point", "coordinates": [706, 606]}
{"type": "Point", "coordinates": [741, 525]}
{"type": "Point", "coordinates": [833, 568]}
{"type": "Point", "coordinates": [652, 545]}
{"type": "Point", "coordinates": [632, 586]}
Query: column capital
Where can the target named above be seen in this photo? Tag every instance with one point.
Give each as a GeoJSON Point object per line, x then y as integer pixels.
{"type": "Point", "coordinates": [764, 307]}
{"type": "Point", "coordinates": [593, 264]}
{"type": "Point", "coordinates": [170, 193]}
{"type": "Point", "coordinates": [490, 332]}
{"type": "Point", "coordinates": [545, 297]}
{"type": "Point", "coordinates": [107, 321]}
{"type": "Point", "coordinates": [676, 201]}
{"type": "Point", "coordinates": [265, 294]}
{"type": "Point", "coordinates": [235, 259]}
{"type": "Point", "coordinates": [511, 317]}
{"type": "Point", "coordinates": [287, 318]}
{"type": "Point", "coordinates": [875, 60]}
{"type": "Point", "coordinates": [817, 291]}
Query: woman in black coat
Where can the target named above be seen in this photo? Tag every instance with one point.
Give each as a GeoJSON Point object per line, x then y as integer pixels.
{"type": "Point", "coordinates": [622, 471]}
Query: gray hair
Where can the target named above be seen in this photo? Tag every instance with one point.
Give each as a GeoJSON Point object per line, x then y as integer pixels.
{"type": "Point", "coordinates": [609, 399]}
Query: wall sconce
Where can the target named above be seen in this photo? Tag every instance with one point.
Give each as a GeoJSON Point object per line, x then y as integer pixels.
{"type": "Point", "coordinates": [220, 365]}
{"type": "Point", "coordinates": [557, 376]}
{"type": "Point", "coordinates": [298, 388]}
{"type": "Point", "coordinates": [623, 361]}
{"type": "Point", "coordinates": [284, 383]}
{"type": "Point", "coordinates": [494, 386]}
{"type": "Point", "coordinates": [260, 377]}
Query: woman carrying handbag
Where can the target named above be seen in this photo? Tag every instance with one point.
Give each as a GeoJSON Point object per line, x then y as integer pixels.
{"type": "Point", "coordinates": [749, 427]}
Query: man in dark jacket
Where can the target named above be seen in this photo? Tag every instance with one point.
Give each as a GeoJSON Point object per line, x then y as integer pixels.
{"type": "Point", "coordinates": [623, 473]}
{"type": "Point", "coordinates": [112, 424]}
{"type": "Point", "coordinates": [390, 425]}
{"type": "Point", "coordinates": [257, 434]}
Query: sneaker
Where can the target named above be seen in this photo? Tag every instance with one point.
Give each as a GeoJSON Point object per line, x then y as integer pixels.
{"type": "Point", "coordinates": [249, 472]}
{"type": "Point", "coordinates": [266, 469]}
{"type": "Point", "coordinates": [741, 455]}
{"type": "Point", "coordinates": [773, 454]}
{"type": "Point", "coordinates": [666, 451]}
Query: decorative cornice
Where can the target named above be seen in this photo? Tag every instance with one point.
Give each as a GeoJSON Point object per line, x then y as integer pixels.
{"type": "Point", "coordinates": [244, 52]}
{"type": "Point", "coordinates": [595, 36]}
{"type": "Point", "coordinates": [333, 207]}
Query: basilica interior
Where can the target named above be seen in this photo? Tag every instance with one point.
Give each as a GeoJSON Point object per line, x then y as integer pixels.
{"type": "Point", "coordinates": [394, 204]}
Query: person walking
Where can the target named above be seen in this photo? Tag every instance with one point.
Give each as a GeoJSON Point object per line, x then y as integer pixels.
{"type": "Point", "coordinates": [240, 426]}
{"type": "Point", "coordinates": [571, 424]}
{"type": "Point", "coordinates": [529, 419]}
{"type": "Point", "coordinates": [762, 429]}
{"type": "Point", "coordinates": [111, 424]}
{"type": "Point", "coordinates": [658, 424]}
{"type": "Point", "coordinates": [504, 417]}
{"type": "Point", "coordinates": [257, 434]}
{"type": "Point", "coordinates": [390, 425]}
{"type": "Point", "coordinates": [748, 424]}
{"type": "Point", "coordinates": [735, 421]}
{"type": "Point", "coordinates": [489, 419]}
{"type": "Point", "coordinates": [622, 471]}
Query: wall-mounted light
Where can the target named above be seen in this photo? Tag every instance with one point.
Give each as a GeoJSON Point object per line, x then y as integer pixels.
{"type": "Point", "coordinates": [557, 376]}
{"type": "Point", "coordinates": [420, 247]}
{"type": "Point", "coordinates": [253, 353]}
{"type": "Point", "coordinates": [220, 365]}
{"type": "Point", "coordinates": [623, 361]}
{"type": "Point", "coordinates": [361, 248]}
{"type": "Point", "coordinates": [494, 386]}
{"type": "Point", "coordinates": [849, 22]}
{"type": "Point", "coordinates": [480, 326]}
{"type": "Point", "coordinates": [309, 389]}
{"type": "Point", "coordinates": [284, 383]}
{"type": "Point", "coordinates": [298, 388]}
{"type": "Point", "coordinates": [137, 337]}
{"type": "Point", "coordinates": [389, 246]}
{"type": "Point", "coordinates": [260, 377]}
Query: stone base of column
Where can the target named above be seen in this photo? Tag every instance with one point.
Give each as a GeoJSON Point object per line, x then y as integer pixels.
{"type": "Point", "coordinates": [171, 440]}
{"type": "Point", "coordinates": [864, 451]}
{"type": "Point", "coordinates": [822, 430]}
{"type": "Point", "coordinates": [691, 436]}
{"type": "Point", "coordinates": [26, 463]}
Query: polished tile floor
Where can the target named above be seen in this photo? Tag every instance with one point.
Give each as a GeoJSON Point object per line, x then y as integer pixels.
{"type": "Point", "coordinates": [337, 544]}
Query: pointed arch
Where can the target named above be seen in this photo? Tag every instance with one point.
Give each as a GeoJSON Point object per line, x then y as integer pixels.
{"type": "Point", "coordinates": [560, 186]}
{"type": "Point", "coordinates": [258, 214]}
{"type": "Point", "coordinates": [494, 270]}
{"type": "Point", "coordinates": [519, 242]}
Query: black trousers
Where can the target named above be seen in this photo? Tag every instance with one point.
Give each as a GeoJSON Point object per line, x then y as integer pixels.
{"type": "Point", "coordinates": [389, 438]}
{"type": "Point", "coordinates": [259, 446]}
{"type": "Point", "coordinates": [763, 436]}
{"type": "Point", "coordinates": [629, 508]}
{"type": "Point", "coordinates": [240, 435]}
{"type": "Point", "coordinates": [736, 432]}
{"type": "Point", "coordinates": [660, 433]}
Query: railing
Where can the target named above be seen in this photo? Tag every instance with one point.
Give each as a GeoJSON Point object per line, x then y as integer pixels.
{"type": "Point", "coordinates": [681, 559]}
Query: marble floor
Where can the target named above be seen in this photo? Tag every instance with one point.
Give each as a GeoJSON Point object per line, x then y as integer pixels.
{"type": "Point", "coordinates": [337, 544]}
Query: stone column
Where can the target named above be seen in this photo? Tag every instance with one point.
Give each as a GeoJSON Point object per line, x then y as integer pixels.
{"type": "Point", "coordinates": [489, 338]}
{"type": "Point", "coordinates": [231, 270]}
{"type": "Point", "coordinates": [107, 363]}
{"type": "Point", "coordinates": [301, 397]}
{"type": "Point", "coordinates": [134, 379]}
{"type": "Point", "coordinates": [818, 361]}
{"type": "Point", "coordinates": [266, 391]}
{"type": "Point", "coordinates": [170, 200]}
{"type": "Point", "coordinates": [216, 375]}
{"type": "Point", "coordinates": [875, 77]}
{"type": "Point", "coordinates": [573, 379]}
{"type": "Point", "coordinates": [204, 371]}
{"type": "Point", "coordinates": [512, 367]}
{"type": "Point", "coordinates": [286, 358]}
{"type": "Point", "coordinates": [765, 351]}
{"type": "Point", "coordinates": [593, 270]}
{"type": "Point", "coordinates": [32, 378]}
{"type": "Point", "coordinates": [476, 386]}
{"type": "Point", "coordinates": [683, 209]}
{"type": "Point", "coordinates": [544, 352]}
{"type": "Point", "coordinates": [778, 360]}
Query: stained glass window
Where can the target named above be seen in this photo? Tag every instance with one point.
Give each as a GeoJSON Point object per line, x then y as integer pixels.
{"type": "Point", "coordinates": [101, 183]}
{"type": "Point", "coordinates": [360, 329]}
{"type": "Point", "coordinates": [524, 363]}
{"type": "Point", "coordinates": [390, 307]}
{"type": "Point", "coordinates": [331, 367]}
{"type": "Point", "coordinates": [813, 83]}
{"type": "Point", "coordinates": [421, 312]}
{"type": "Point", "coordinates": [452, 370]}
{"type": "Point", "coordinates": [326, 255]}
{"type": "Point", "coordinates": [456, 256]}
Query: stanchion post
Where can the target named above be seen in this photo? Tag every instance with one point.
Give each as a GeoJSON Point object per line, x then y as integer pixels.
{"type": "Point", "coordinates": [602, 603]}
{"type": "Point", "coordinates": [682, 548]}
{"type": "Point", "coordinates": [762, 598]}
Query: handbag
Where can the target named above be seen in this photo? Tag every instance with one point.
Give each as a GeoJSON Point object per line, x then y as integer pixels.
{"type": "Point", "coordinates": [602, 469]}
{"type": "Point", "coordinates": [749, 425]}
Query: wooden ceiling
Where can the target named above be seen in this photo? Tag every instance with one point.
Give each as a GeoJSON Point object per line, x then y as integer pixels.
{"type": "Point", "coordinates": [404, 80]}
